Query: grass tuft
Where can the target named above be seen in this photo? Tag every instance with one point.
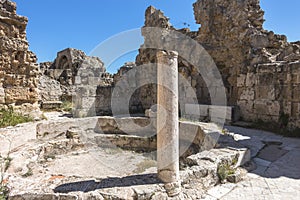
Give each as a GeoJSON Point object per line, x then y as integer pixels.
{"type": "Point", "coordinates": [10, 118]}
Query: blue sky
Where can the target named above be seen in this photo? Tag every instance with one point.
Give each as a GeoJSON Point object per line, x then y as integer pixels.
{"type": "Point", "coordinates": [83, 24]}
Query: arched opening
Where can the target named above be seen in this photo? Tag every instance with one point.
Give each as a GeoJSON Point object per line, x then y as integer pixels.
{"type": "Point", "coordinates": [63, 63]}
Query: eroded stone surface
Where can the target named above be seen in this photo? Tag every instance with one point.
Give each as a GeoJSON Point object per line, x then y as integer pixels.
{"type": "Point", "coordinates": [19, 72]}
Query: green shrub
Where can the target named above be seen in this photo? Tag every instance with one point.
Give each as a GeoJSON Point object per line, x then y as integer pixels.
{"type": "Point", "coordinates": [28, 173]}
{"type": "Point", "coordinates": [4, 192]}
{"type": "Point", "coordinates": [224, 170]}
{"type": "Point", "coordinates": [4, 165]}
{"type": "Point", "coordinates": [67, 106]}
{"type": "Point", "coordinates": [10, 118]}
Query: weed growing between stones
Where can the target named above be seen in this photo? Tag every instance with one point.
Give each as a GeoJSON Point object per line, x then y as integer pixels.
{"type": "Point", "coordinates": [28, 173]}
{"type": "Point", "coordinates": [4, 165]}
{"type": "Point", "coordinates": [8, 117]}
{"type": "Point", "coordinates": [225, 170]}
{"type": "Point", "coordinates": [67, 106]}
{"type": "Point", "coordinates": [4, 190]}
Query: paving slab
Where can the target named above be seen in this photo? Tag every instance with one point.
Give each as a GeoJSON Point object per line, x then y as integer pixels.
{"type": "Point", "coordinates": [271, 153]}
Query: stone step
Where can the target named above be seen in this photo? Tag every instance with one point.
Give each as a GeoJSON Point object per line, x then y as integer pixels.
{"type": "Point", "coordinates": [50, 105]}
{"type": "Point", "coordinates": [214, 113]}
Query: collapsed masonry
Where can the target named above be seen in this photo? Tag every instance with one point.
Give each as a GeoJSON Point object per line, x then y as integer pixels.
{"type": "Point", "coordinates": [71, 69]}
{"type": "Point", "coordinates": [260, 70]}
{"type": "Point", "coordinates": [19, 72]}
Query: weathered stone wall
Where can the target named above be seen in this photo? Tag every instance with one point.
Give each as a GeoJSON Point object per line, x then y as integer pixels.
{"type": "Point", "coordinates": [270, 92]}
{"type": "Point", "coordinates": [259, 68]}
{"type": "Point", "coordinates": [111, 99]}
{"type": "Point", "coordinates": [19, 72]}
{"type": "Point", "coordinates": [69, 73]}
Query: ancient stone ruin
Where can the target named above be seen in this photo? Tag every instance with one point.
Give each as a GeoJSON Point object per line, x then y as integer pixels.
{"type": "Point", "coordinates": [119, 144]}
{"type": "Point", "coordinates": [258, 68]}
{"type": "Point", "coordinates": [19, 72]}
{"type": "Point", "coordinates": [71, 71]}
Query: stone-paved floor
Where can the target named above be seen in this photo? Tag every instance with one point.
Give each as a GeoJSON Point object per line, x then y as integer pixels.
{"type": "Point", "coordinates": [277, 159]}
{"type": "Point", "coordinates": [277, 175]}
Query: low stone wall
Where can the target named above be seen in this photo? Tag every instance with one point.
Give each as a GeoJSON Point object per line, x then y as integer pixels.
{"type": "Point", "coordinates": [226, 114]}
{"type": "Point", "coordinates": [138, 133]}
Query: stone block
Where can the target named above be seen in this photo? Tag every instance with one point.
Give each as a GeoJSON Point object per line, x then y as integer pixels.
{"type": "Point", "coordinates": [251, 79]}
{"type": "Point", "coordinates": [77, 80]}
{"type": "Point", "coordinates": [20, 95]}
{"type": "Point", "coordinates": [241, 80]}
{"type": "Point", "coordinates": [295, 109]}
{"type": "Point", "coordinates": [86, 90]}
{"type": "Point", "coordinates": [267, 107]}
{"type": "Point", "coordinates": [266, 79]}
{"type": "Point", "coordinates": [259, 41]}
{"type": "Point", "coordinates": [88, 102]}
{"type": "Point", "coordinates": [130, 126]}
{"type": "Point", "coordinates": [191, 132]}
{"type": "Point", "coordinates": [295, 67]}
{"type": "Point", "coordinates": [196, 110]}
{"type": "Point", "coordinates": [296, 93]}
{"type": "Point", "coordinates": [2, 95]}
{"type": "Point", "coordinates": [265, 92]}
{"type": "Point", "coordinates": [50, 105]}
{"type": "Point", "coordinates": [220, 113]}
{"type": "Point", "coordinates": [286, 92]}
{"type": "Point", "coordinates": [93, 81]}
{"type": "Point", "coordinates": [246, 107]}
{"type": "Point", "coordinates": [247, 94]}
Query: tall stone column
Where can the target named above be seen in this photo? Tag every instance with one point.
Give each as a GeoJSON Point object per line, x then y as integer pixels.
{"type": "Point", "coordinates": [167, 121]}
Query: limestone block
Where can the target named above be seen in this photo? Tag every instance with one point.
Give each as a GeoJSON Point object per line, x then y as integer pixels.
{"type": "Point", "coordinates": [88, 102]}
{"type": "Point", "coordinates": [259, 41]}
{"type": "Point", "coordinates": [2, 95]}
{"type": "Point", "coordinates": [247, 94]}
{"type": "Point", "coordinates": [251, 79]}
{"type": "Point", "coordinates": [77, 80]}
{"type": "Point", "coordinates": [295, 67]}
{"type": "Point", "coordinates": [20, 95]}
{"type": "Point", "coordinates": [93, 81]}
{"type": "Point", "coordinates": [246, 107]}
{"type": "Point", "coordinates": [296, 93]}
{"type": "Point", "coordinates": [48, 105]}
{"type": "Point", "coordinates": [191, 132]}
{"type": "Point", "coordinates": [86, 90]}
{"type": "Point", "coordinates": [267, 107]}
{"type": "Point", "coordinates": [266, 79]}
{"type": "Point", "coordinates": [196, 110]}
{"type": "Point", "coordinates": [241, 79]}
{"type": "Point", "coordinates": [265, 92]}
{"type": "Point", "coordinates": [221, 113]}
{"type": "Point", "coordinates": [295, 109]}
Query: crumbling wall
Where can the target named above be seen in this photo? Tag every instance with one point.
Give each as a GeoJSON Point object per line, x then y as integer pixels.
{"type": "Point", "coordinates": [112, 99]}
{"type": "Point", "coordinates": [188, 73]}
{"type": "Point", "coordinates": [19, 72]}
{"type": "Point", "coordinates": [70, 69]}
{"type": "Point", "coordinates": [259, 68]}
{"type": "Point", "coordinates": [270, 92]}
